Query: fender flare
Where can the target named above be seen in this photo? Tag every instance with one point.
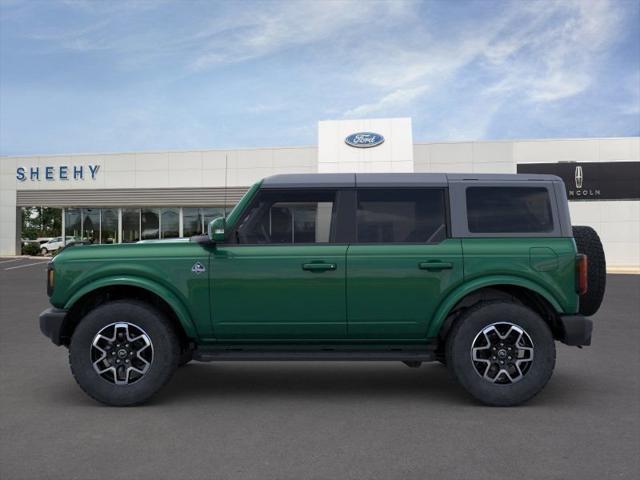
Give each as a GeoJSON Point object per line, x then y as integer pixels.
{"type": "Point", "coordinates": [467, 288]}
{"type": "Point", "coordinates": [164, 293]}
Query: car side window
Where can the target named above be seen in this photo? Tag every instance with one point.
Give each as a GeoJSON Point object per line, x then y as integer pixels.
{"type": "Point", "coordinates": [289, 217]}
{"type": "Point", "coordinates": [411, 215]}
{"type": "Point", "coordinates": [509, 210]}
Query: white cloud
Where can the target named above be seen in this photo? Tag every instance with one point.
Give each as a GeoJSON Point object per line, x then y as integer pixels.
{"type": "Point", "coordinates": [398, 98]}
{"type": "Point", "coordinates": [631, 105]}
{"type": "Point", "coordinates": [259, 108]}
{"type": "Point", "coordinates": [284, 25]}
{"type": "Point", "coordinates": [552, 56]}
{"type": "Point", "coordinates": [217, 34]}
{"type": "Point", "coordinates": [538, 51]}
{"type": "Point", "coordinates": [457, 73]}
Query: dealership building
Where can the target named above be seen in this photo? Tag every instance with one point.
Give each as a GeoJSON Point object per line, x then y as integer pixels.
{"type": "Point", "coordinates": [126, 197]}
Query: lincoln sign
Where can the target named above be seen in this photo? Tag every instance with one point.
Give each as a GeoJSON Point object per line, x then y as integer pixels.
{"type": "Point", "coordinates": [593, 180]}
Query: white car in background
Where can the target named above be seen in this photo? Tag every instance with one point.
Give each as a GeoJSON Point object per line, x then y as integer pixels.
{"type": "Point", "coordinates": [52, 245]}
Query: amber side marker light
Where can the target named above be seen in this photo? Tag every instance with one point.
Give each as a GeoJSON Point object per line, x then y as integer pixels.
{"type": "Point", "coordinates": [581, 274]}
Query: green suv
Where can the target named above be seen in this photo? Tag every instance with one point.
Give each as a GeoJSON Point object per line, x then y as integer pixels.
{"type": "Point", "coordinates": [479, 272]}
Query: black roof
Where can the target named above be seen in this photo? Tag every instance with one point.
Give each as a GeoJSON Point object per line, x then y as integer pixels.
{"type": "Point", "coordinates": [319, 180]}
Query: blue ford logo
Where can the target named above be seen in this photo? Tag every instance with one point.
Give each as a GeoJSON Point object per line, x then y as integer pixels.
{"type": "Point", "coordinates": [364, 139]}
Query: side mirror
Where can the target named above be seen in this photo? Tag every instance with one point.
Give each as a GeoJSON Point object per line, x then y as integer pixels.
{"type": "Point", "coordinates": [216, 229]}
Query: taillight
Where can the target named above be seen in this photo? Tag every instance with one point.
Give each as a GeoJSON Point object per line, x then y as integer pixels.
{"type": "Point", "coordinates": [51, 277]}
{"type": "Point", "coordinates": [581, 274]}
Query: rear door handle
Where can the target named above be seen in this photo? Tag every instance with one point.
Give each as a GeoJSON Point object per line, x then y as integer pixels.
{"type": "Point", "coordinates": [319, 267]}
{"type": "Point", "coordinates": [435, 266]}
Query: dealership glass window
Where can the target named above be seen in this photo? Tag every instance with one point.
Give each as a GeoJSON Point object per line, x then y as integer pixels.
{"type": "Point", "coordinates": [130, 225]}
{"type": "Point", "coordinates": [508, 210]}
{"type": "Point", "coordinates": [209, 214]}
{"type": "Point", "coordinates": [292, 217]}
{"type": "Point", "coordinates": [72, 223]}
{"type": "Point", "coordinates": [191, 222]}
{"type": "Point", "coordinates": [170, 223]}
{"type": "Point", "coordinates": [145, 223]}
{"type": "Point", "coordinates": [401, 216]}
{"type": "Point", "coordinates": [109, 226]}
{"type": "Point", "coordinates": [150, 221]}
{"type": "Point", "coordinates": [91, 224]}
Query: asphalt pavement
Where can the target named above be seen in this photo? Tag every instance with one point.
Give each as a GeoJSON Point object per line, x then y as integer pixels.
{"type": "Point", "coordinates": [317, 420]}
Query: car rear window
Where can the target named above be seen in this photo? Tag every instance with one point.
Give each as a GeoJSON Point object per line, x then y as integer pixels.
{"type": "Point", "coordinates": [509, 210]}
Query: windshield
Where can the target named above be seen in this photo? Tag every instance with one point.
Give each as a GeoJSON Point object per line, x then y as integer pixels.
{"type": "Point", "coordinates": [233, 215]}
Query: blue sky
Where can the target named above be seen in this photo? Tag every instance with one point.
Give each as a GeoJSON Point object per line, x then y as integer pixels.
{"type": "Point", "coordinates": [88, 76]}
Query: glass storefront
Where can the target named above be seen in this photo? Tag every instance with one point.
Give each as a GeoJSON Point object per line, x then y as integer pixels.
{"type": "Point", "coordinates": [72, 223]}
{"type": "Point", "coordinates": [191, 222]}
{"type": "Point", "coordinates": [150, 223]}
{"type": "Point", "coordinates": [196, 220]}
{"type": "Point", "coordinates": [209, 214]}
{"type": "Point", "coordinates": [130, 225]}
{"type": "Point", "coordinates": [109, 225]}
{"type": "Point", "coordinates": [91, 224]}
{"type": "Point", "coordinates": [127, 225]}
{"type": "Point", "coordinates": [170, 223]}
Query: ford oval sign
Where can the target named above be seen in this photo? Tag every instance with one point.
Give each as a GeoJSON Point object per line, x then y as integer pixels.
{"type": "Point", "coordinates": [364, 139]}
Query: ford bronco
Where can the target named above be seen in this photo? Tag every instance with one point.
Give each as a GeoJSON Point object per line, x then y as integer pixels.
{"type": "Point", "coordinates": [482, 273]}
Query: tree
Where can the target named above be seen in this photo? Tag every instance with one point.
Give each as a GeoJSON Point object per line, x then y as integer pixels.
{"type": "Point", "coordinates": [41, 222]}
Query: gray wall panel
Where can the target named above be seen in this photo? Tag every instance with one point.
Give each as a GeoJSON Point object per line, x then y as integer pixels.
{"type": "Point", "coordinates": [121, 197]}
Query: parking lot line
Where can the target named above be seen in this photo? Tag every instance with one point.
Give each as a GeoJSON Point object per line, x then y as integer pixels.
{"type": "Point", "coordinates": [23, 266]}
{"type": "Point", "coordinates": [8, 261]}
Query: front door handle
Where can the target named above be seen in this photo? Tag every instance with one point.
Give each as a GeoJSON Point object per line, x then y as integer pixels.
{"type": "Point", "coordinates": [435, 266]}
{"type": "Point", "coordinates": [319, 267]}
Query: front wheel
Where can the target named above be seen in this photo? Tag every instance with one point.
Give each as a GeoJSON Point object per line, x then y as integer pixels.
{"type": "Point", "coordinates": [44, 251]}
{"type": "Point", "coordinates": [123, 352]}
{"type": "Point", "coordinates": [501, 352]}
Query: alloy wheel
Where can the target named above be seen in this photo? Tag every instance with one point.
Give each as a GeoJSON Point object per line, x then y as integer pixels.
{"type": "Point", "coordinates": [121, 353]}
{"type": "Point", "coordinates": [502, 353]}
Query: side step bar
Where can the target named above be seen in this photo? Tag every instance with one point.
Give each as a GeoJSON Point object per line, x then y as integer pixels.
{"type": "Point", "coordinates": [314, 355]}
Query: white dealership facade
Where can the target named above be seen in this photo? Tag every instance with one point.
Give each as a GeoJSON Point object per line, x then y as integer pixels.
{"type": "Point", "coordinates": [123, 197]}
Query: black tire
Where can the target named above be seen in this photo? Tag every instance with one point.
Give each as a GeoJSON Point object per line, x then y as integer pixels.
{"type": "Point", "coordinates": [588, 242]}
{"type": "Point", "coordinates": [43, 251]}
{"type": "Point", "coordinates": [500, 314]}
{"type": "Point", "coordinates": [165, 352]}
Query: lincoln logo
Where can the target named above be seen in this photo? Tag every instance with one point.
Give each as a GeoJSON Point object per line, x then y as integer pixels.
{"type": "Point", "coordinates": [579, 191]}
{"type": "Point", "coordinates": [579, 177]}
{"type": "Point", "coordinates": [364, 140]}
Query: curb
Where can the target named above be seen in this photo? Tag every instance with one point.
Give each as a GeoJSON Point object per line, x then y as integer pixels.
{"type": "Point", "coordinates": [624, 270]}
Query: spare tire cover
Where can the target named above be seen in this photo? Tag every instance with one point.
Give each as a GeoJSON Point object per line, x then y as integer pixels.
{"type": "Point", "coordinates": [588, 242]}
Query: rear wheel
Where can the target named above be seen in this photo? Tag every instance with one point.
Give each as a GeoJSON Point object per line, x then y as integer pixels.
{"type": "Point", "coordinates": [123, 352]}
{"type": "Point", "coordinates": [502, 353]}
{"type": "Point", "coordinates": [588, 242]}
{"type": "Point", "coordinates": [43, 251]}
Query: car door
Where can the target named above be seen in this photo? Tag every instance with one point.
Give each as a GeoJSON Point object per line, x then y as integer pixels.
{"type": "Point", "coordinates": [401, 264]}
{"type": "Point", "coordinates": [282, 274]}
